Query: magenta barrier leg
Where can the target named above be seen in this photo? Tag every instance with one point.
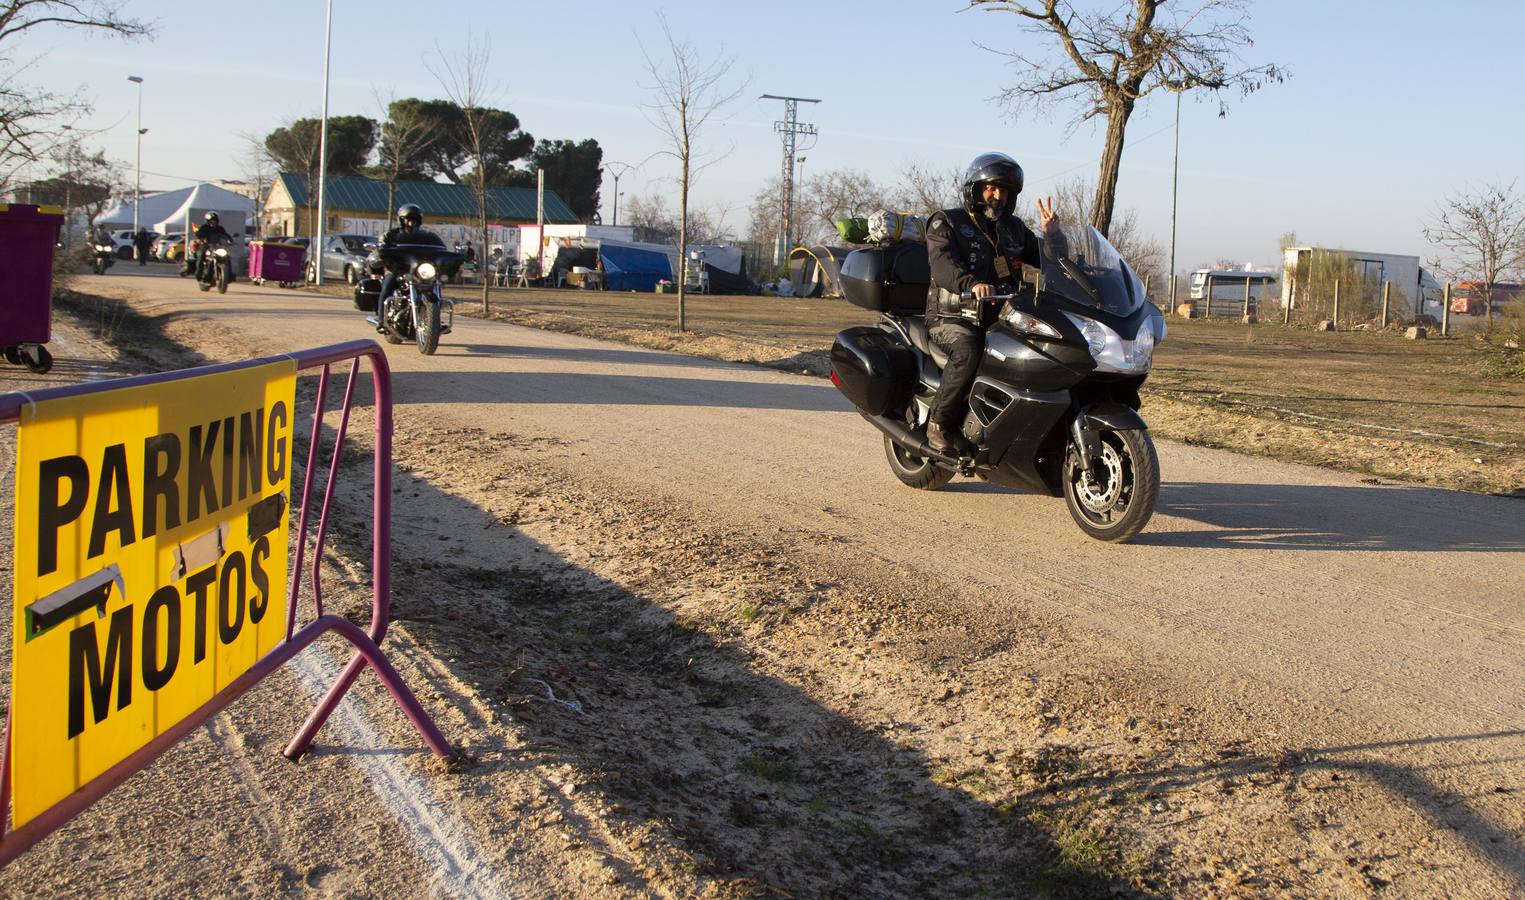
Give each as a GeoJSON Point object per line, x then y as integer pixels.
{"type": "Point", "coordinates": [21, 839]}
{"type": "Point", "coordinates": [367, 653]}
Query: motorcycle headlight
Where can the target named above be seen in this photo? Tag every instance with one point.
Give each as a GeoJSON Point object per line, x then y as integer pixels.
{"type": "Point", "coordinates": [1096, 336]}
{"type": "Point", "coordinates": [425, 271]}
{"type": "Point", "coordinates": [221, 251]}
{"type": "Point", "coordinates": [1111, 352]}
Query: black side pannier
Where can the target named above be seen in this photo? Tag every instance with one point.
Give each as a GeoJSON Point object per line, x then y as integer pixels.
{"type": "Point", "coordinates": [873, 369]}
{"type": "Point", "coordinates": [891, 279]}
{"type": "Point", "coordinates": [367, 294]}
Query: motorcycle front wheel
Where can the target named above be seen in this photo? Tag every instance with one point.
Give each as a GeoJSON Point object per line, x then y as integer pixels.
{"type": "Point", "coordinates": [428, 329]}
{"type": "Point", "coordinates": [915, 471]}
{"type": "Point", "coordinates": [1113, 498]}
{"type": "Point", "coordinates": [100, 267]}
{"type": "Point", "coordinates": [222, 279]}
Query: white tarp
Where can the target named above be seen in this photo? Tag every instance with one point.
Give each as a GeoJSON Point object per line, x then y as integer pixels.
{"type": "Point", "coordinates": [232, 209]}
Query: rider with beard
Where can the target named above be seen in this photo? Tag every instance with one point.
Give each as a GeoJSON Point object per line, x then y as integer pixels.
{"type": "Point", "coordinates": [210, 229]}
{"type": "Point", "coordinates": [409, 230]}
{"type": "Point", "coordinates": [978, 248]}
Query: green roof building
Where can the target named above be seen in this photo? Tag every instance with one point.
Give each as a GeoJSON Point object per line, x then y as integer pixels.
{"type": "Point", "coordinates": [291, 207]}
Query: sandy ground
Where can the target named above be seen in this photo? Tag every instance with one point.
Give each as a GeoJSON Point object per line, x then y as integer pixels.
{"type": "Point", "coordinates": [693, 641]}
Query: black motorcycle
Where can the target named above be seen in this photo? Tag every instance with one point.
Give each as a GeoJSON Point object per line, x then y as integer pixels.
{"type": "Point", "coordinates": [214, 268]}
{"type": "Point", "coordinates": [105, 257]}
{"type": "Point", "coordinates": [415, 309]}
{"type": "Point", "coordinates": [1054, 406]}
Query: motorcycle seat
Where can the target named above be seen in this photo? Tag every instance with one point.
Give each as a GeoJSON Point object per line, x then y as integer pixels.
{"type": "Point", "coordinates": [916, 327]}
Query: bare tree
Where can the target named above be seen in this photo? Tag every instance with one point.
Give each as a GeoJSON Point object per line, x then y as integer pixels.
{"type": "Point", "coordinates": [687, 91]}
{"type": "Point", "coordinates": [259, 170]}
{"type": "Point", "coordinates": [925, 190]}
{"type": "Point", "coordinates": [29, 116]}
{"type": "Point", "coordinates": [839, 194]}
{"type": "Point", "coordinates": [1482, 236]}
{"type": "Point", "coordinates": [1112, 60]}
{"type": "Point", "coordinates": [296, 147]}
{"type": "Point", "coordinates": [465, 84]}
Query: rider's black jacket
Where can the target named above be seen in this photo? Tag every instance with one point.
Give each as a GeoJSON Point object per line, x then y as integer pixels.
{"type": "Point", "coordinates": [963, 250]}
{"type": "Point", "coordinates": [206, 231]}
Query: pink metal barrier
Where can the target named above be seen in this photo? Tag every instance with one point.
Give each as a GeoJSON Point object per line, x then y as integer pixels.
{"type": "Point", "coordinates": [367, 642]}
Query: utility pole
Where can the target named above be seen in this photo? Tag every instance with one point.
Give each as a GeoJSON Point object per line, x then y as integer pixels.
{"type": "Point", "coordinates": [789, 129]}
{"type": "Point", "coordinates": [623, 171]}
{"type": "Point", "coordinates": [1175, 183]}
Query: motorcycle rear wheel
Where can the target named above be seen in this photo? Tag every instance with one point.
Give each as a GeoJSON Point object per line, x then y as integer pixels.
{"type": "Point", "coordinates": [915, 471]}
{"type": "Point", "coordinates": [1113, 499]}
{"type": "Point", "coordinates": [428, 330]}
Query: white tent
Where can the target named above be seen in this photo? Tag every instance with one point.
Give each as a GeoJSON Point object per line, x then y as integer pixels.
{"type": "Point", "coordinates": [155, 207]}
{"type": "Point", "coordinates": [232, 209]}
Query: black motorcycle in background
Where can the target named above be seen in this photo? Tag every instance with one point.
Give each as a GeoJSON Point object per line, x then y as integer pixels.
{"type": "Point", "coordinates": [105, 257]}
{"type": "Point", "coordinates": [214, 268]}
{"type": "Point", "coordinates": [416, 309]}
{"type": "Point", "coordinates": [1054, 406]}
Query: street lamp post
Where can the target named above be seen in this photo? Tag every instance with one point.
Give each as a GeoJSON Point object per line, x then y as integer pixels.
{"type": "Point", "coordinates": [626, 167]}
{"type": "Point", "coordinates": [317, 245]}
{"type": "Point", "coordinates": [137, 191]}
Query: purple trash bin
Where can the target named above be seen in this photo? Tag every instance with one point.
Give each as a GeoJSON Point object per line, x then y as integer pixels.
{"type": "Point", "coordinates": [27, 237]}
{"type": "Point", "coordinates": [275, 261]}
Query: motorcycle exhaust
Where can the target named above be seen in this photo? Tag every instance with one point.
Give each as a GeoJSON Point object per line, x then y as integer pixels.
{"type": "Point", "coordinates": [908, 439]}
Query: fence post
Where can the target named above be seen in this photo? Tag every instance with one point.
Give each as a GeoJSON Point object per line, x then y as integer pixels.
{"type": "Point", "coordinates": [1387, 287]}
{"type": "Point", "coordinates": [1445, 313]}
{"type": "Point", "coordinates": [1337, 304]}
{"type": "Point", "coordinates": [1286, 308]}
{"type": "Point", "coordinates": [1209, 313]}
{"type": "Point", "coordinates": [1246, 297]}
{"type": "Point", "coordinates": [1171, 309]}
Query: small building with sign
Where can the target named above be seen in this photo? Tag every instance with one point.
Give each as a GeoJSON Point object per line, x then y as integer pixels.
{"type": "Point", "coordinates": [359, 205]}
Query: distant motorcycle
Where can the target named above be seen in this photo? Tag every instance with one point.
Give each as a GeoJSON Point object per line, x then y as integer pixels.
{"type": "Point", "coordinates": [105, 257]}
{"type": "Point", "coordinates": [416, 309]}
{"type": "Point", "coordinates": [215, 266]}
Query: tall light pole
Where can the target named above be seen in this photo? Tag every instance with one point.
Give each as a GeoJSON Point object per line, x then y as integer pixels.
{"type": "Point", "coordinates": [317, 243]}
{"type": "Point", "coordinates": [624, 170]}
{"type": "Point", "coordinates": [1175, 180]}
{"type": "Point", "coordinates": [137, 191]}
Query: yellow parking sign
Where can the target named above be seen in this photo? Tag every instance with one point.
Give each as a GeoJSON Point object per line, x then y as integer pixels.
{"type": "Point", "coordinates": [150, 565]}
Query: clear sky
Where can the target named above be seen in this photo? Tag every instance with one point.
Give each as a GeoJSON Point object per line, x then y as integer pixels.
{"type": "Point", "coordinates": [1391, 107]}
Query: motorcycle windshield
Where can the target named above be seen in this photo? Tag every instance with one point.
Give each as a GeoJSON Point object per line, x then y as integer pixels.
{"type": "Point", "coordinates": [1081, 265]}
{"type": "Point", "coordinates": [403, 257]}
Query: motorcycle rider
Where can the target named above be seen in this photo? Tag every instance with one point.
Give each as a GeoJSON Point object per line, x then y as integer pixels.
{"type": "Point", "coordinates": [409, 230]}
{"type": "Point", "coordinates": [210, 229]}
{"type": "Point", "coordinates": [979, 248]}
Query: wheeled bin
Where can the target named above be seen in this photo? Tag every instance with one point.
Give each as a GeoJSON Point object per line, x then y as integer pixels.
{"type": "Point", "coordinates": [28, 235]}
{"type": "Point", "coordinates": [276, 261]}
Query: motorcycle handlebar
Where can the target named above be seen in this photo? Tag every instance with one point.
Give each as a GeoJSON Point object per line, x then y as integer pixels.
{"type": "Point", "coordinates": [968, 297]}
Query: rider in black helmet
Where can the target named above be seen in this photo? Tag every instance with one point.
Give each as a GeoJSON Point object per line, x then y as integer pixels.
{"type": "Point", "coordinates": [209, 231]}
{"type": "Point", "coordinates": [409, 230]}
{"type": "Point", "coordinates": [978, 248]}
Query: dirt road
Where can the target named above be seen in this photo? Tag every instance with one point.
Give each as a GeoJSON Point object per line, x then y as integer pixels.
{"type": "Point", "coordinates": [1293, 681]}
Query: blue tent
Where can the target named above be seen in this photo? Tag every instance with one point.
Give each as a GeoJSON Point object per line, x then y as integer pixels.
{"type": "Point", "coordinates": [632, 268]}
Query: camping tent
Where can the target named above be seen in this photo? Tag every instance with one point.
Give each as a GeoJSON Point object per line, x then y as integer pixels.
{"type": "Point", "coordinates": [726, 268]}
{"type": "Point", "coordinates": [232, 209]}
{"type": "Point", "coordinates": [814, 271]}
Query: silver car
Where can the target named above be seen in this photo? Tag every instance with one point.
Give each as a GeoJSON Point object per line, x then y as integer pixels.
{"type": "Point", "coordinates": [343, 257]}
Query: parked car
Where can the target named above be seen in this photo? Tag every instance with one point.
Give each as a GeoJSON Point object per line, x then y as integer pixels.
{"type": "Point", "coordinates": [123, 241]}
{"type": "Point", "coordinates": [343, 257]}
{"type": "Point", "coordinates": [161, 246]}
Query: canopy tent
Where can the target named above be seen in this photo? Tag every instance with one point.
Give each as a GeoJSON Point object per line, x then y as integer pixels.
{"type": "Point", "coordinates": [815, 271]}
{"type": "Point", "coordinates": [154, 208]}
{"type": "Point", "coordinates": [232, 209]}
